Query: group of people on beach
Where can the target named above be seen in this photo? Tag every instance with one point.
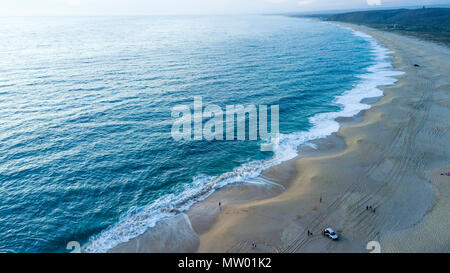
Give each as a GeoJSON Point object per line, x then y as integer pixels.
{"type": "Point", "coordinates": [372, 209]}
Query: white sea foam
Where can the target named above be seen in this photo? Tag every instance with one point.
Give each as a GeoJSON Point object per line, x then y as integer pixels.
{"type": "Point", "coordinates": [137, 220]}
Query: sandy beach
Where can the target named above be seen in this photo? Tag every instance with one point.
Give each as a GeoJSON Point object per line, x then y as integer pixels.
{"type": "Point", "coordinates": [392, 160]}
{"type": "Point", "coordinates": [389, 157]}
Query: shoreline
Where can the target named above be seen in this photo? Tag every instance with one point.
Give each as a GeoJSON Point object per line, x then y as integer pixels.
{"type": "Point", "coordinates": [207, 228]}
{"type": "Point", "coordinates": [392, 161]}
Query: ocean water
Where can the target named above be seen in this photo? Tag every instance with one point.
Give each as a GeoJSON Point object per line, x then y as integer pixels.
{"type": "Point", "coordinates": [86, 152]}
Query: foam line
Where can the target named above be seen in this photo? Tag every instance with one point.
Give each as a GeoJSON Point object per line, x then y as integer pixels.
{"type": "Point", "coordinates": [138, 220]}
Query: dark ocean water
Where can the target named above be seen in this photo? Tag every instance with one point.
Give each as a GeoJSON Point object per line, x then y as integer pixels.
{"type": "Point", "coordinates": [86, 152]}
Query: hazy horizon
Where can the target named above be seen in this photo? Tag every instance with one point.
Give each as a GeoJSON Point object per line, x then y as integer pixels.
{"type": "Point", "coordinates": [193, 7]}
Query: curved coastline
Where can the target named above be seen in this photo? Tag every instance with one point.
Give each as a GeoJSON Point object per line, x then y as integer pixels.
{"type": "Point", "coordinates": [271, 179]}
{"type": "Point", "coordinates": [393, 159]}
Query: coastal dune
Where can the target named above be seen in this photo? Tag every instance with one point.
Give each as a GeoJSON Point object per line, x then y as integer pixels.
{"type": "Point", "coordinates": [393, 159]}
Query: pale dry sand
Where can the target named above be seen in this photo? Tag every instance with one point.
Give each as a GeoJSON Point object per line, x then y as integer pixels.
{"type": "Point", "coordinates": [392, 160]}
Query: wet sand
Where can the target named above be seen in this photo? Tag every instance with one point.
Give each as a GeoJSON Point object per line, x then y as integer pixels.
{"type": "Point", "coordinates": [389, 157]}
{"type": "Point", "coordinates": [392, 160]}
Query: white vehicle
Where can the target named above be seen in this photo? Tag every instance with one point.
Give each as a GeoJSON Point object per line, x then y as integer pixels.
{"type": "Point", "coordinates": [329, 232]}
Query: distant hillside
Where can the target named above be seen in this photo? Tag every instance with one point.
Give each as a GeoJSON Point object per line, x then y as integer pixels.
{"type": "Point", "coordinates": [436, 17]}
{"type": "Point", "coordinates": [427, 23]}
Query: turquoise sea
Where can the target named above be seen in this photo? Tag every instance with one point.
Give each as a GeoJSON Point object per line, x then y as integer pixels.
{"type": "Point", "coordinates": [86, 152]}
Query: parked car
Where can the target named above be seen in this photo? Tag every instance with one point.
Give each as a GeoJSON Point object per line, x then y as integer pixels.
{"type": "Point", "coordinates": [329, 232]}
